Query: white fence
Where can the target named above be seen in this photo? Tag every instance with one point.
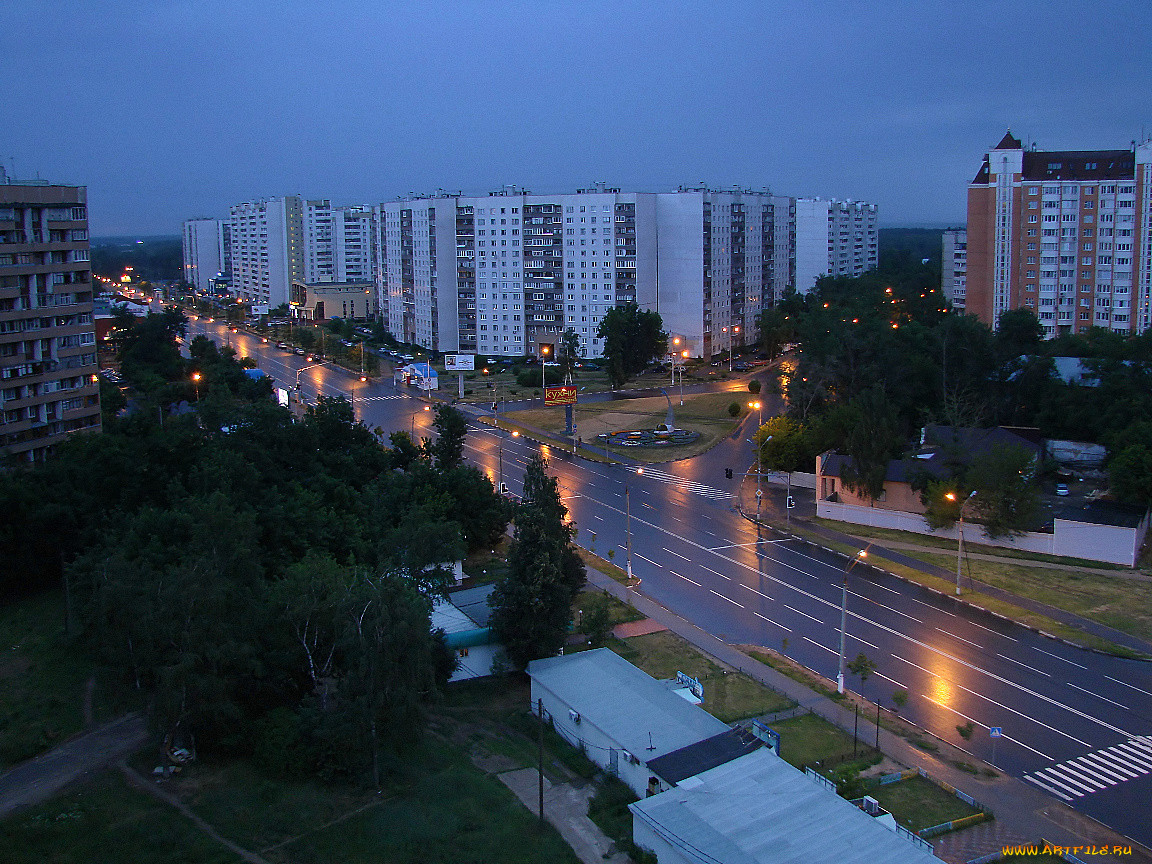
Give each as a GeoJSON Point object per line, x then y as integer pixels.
{"type": "Point", "coordinates": [1087, 540]}
{"type": "Point", "coordinates": [800, 479]}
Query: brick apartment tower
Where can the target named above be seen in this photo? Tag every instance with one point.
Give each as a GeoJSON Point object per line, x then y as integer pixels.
{"type": "Point", "coordinates": [1067, 234]}
{"type": "Point", "coordinates": [48, 383]}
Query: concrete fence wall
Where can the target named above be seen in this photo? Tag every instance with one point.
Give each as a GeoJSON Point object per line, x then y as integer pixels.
{"type": "Point", "coordinates": [800, 479]}
{"type": "Point", "coordinates": [1110, 543]}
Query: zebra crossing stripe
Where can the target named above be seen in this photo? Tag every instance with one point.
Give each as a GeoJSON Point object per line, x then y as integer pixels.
{"type": "Point", "coordinates": [1076, 781]}
{"type": "Point", "coordinates": [1051, 789]}
{"type": "Point", "coordinates": [688, 485]}
{"type": "Point", "coordinates": [1137, 756]}
{"type": "Point", "coordinates": [1092, 771]}
{"type": "Point", "coordinates": [1098, 770]}
{"type": "Point", "coordinates": [1044, 781]}
{"type": "Point", "coordinates": [1107, 768]}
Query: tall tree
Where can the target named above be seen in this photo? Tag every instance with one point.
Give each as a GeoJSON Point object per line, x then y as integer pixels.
{"type": "Point", "coordinates": [1006, 499]}
{"type": "Point", "coordinates": [532, 605]}
{"type": "Point", "coordinates": [632, 338]}
{"type": "Point", "coordinates": [451, 428]}
{"type": "Point", "coordinates": [871, 444]}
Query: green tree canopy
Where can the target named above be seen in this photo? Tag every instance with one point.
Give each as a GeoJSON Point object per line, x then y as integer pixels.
{"type": "Point", "coordinates": [632, 338]}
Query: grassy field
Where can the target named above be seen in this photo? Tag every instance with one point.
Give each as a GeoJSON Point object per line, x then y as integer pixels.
{"type": "Point", "coordinates": [107, 821]}
{"type": "Point", "coordinates": [917, 803]}
{"type": "Point", "coordinates": [1125, 604]}
{"type": "Point", "coordinates": [808, 739]}
{"type": "Point", "coordinates": [705, 413]}
{"type": "Point", "coordinates": [728, 696]}
{"type": "Point", "coordinates": [42, 679]}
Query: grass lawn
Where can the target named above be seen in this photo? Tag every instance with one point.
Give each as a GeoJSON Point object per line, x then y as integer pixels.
{"type": "Point", "coordinates": [41, 679]}
{"type": "Point", "coordinates": [705, 413]}
{"type": "Point", "coordinates": [618, 613]}
{"type": "Point", "coordinates": [728, 696]}
{"type": "Point", "coordinates": [917, 803]}
{"type": "Point", "coordinates": [107, 821]}
{"type": "Point", "coordinates": [808, 739]}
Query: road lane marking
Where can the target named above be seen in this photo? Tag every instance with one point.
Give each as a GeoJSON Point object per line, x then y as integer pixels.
{"type": "Point", "coordinates": [1126, 684]}
{"type": "Point", "coordinates": [677, 554]}
{"type": "Point", "coordinates": [754, 590]}
{"type": "Point", "coordinates": [1025, 665]}
{"type": "Point", "coordinates": [722, 597]}
{"type": "Point", "coordinates": [721, 575]}
{"type": "Point", "coordinates": [1058, 657]}
{"type": "Point", "coordinates": [1098, 696]}
{"type": "Point", "coordinates": [770, 621]}
{"type": "Point", "coordinates": [865, 641]}
{"type": "Point", "coordinates": [685, 578]}
{"type": "Point", "coordinates": [642, 558]}
{"type": "Point", "coordinates": [818, 645]}
{"type": "Point", "coordinates": [805, 614]}
{"type": "Point", "coordinates": [961, 638]}
{"type": "Point", "coordinates": [886, 678]}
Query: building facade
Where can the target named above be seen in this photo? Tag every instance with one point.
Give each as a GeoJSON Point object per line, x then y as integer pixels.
{"type": "Point", "coordinates": [954, 267]}
{"type": "Point", "coordinates": [48, 386]}
{"type": "Point", "coordinates": [1067, 234]}
{"type": "Point", "coordinates": [502, 273]}
{"type": "Point", "coordinates": [267, 249]}
{"type": "Point", "coordinates": [207, 245]}
{"type": "Point", "coordinates": [320, 301]}
{"type": "Point", "coordinates": [834, 238]}
{"type": "Point", "coordinates": [337, 243]}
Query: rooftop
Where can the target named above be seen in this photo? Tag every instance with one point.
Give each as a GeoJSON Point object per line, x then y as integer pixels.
{"type": "Point", "coordinates": [625, 703]}
{"type": "Point", "coordinates": [758, 809]}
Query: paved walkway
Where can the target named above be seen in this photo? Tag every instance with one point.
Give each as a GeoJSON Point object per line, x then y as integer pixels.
{"type": "Point", "coordinates": [566, 808]}
{"type": "Point", "coordinates": [37, 780]}
{"type": "Point", "coordinates": [1023, 812]}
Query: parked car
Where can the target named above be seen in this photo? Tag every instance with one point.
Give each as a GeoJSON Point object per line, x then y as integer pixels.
{"type": "Point", "coordinates": [1062, 489]}
{"type": "Point", "coordinates": [283, 346]}
{"type": "Point", "coordinates": [299, 351]}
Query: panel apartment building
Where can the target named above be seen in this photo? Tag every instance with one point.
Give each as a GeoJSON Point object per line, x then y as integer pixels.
{"type": "Point", "coordinates": [337, 243]}
{"type": "Point", "coordinates": [1067, 234]}
{"type": "Point", "coordinates": [501, 274]}
{"type": "Point", "coordinates": [267, 248]}
{"type": "Point", "coordinates": [48, 379]}
{"type": "Point", "coordinates": [834, 238]}
{"type": "Point", "coordinates": [207, 247]}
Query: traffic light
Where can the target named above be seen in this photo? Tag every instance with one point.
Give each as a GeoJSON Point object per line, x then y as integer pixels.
{"type": "Point", "coordinates": [493, 407]}
{"type": "Point", "coordinates": [791, 502]}
{"type": "Point", "coordinates": [728, 473]}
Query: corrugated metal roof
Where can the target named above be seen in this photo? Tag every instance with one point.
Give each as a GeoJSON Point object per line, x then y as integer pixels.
{"type": "Point", "coordinates": [629, 705]}
{"type": "Point", "coordinates": [758, 809]}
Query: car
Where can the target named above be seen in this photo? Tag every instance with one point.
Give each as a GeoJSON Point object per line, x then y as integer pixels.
{"type": "Point", "coordinates": [1062, 489]}
{"type": "Point", "coordinates": [299, 351]}
{"type": "Point", "coordinates": [283, 346]}
{"type": "Point", "coordinates": [741, 367]}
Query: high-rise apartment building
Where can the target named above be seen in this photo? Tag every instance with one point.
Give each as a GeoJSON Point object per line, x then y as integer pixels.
{"type": "Point", "coordinates": [501, 273]}
{"type": "Point", "coordinates": [1067, 234]}
{"type": "Point", "coordinates": [337, 243]}
{"type": "Point", "coordinates": [48, 378]}
{"type": "Point", "coordinates": [207, 245]}
{"type": "Point", "coordinates": [267, 249]}
{"type": "Point", "coordinates": [834, 238]}
{"type": "Point", "coordinates": [954, 267]}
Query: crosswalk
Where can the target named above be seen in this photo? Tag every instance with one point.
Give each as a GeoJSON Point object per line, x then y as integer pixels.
{"type": "Point", "coordinates": [380, 398]}
{"type": "Point", "coordinates": [1097, 770]}
{"type": "Point", "coordinates": [688, 485]}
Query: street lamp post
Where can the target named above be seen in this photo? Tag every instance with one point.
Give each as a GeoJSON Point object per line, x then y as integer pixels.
{"type": "Point", "coordinates": [951, 496]}
{"type": "Point", "coordinates": [412, 425]}
{"type": "Point", "coordinates": [196, 384]}
{"type": "Point", "coordinates": [628, 521]}
{"type": "Point", "coordinates": [543, 367]}
{"type": "Point", "coordinates": [759, 467]}
{"type": "Point", "coordinates": [732, 344]}
{"type": "Point", "coordinates": [500, 462]}
{"type": "Point", "coordinates": [859, 556]}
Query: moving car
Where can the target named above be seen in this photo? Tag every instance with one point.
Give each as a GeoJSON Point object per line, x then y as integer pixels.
{"type": "Point", "coordinates": [1062, 489]}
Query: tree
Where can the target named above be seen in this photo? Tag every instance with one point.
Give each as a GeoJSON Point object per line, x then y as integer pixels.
{"type": "Point", "coordinates": [532, 605]}
{"type": "Point", "coordinates": [1130, 474]}
{"type": "Point", "coordinates": [871, 444]}
{"type": "Point", "coordinates": [781, 444]}
{"type": "Point", "coordinates": [1018, 331]}
{"type": "Point", "coordinates": [1006, 497]}
{"type": "Point", "coordinates": [451, 428]}
{"type": "Point", "coordinates": [632, 338]}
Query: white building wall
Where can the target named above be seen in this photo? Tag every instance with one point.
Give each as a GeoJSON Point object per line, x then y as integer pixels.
{"type": "Point", "coordinates": [267, 241]}
{"type": "Point", "coordinates": [203, 255]}
{"type": "Point", "coordinates": [811, 242]}
{"type": "Point", "coordinates": [954, 267]}
{"type": "Point", "coordinates": [676, 226]}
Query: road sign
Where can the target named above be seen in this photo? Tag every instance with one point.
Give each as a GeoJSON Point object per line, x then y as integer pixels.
{"type": "Point", "coordinates": [996, 732]}
{"type": "Point", "coordinates": [562, 395]}
{"type": "Point", "coordinates": [459, 362]}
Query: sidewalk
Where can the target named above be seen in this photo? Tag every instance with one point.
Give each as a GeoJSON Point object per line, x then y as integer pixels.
{"type": "Point", "coordinates": [1024, 814]}
{"type": "Point", "coordinates": [770, 517]}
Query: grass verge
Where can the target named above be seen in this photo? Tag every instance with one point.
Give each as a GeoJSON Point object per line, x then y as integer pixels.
{"type": "Point", "coordinates": [917, 803]}
{"type": "Point", "coordinates": [728, 695]}
{"type": "Point", "coordinates": [808, 739]}
{"type": "Point", "coordinates": [1030, 584]}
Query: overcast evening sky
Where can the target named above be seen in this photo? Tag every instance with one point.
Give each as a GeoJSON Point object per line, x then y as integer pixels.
{"type": "Point", "coordinates": [173, 109]}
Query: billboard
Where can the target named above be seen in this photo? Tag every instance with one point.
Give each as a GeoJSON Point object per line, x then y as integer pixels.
{"type": "Point", "coordinates": [459, 362]}
{"type": "Point", "coordinates": [562, 395]}
{"type": "Point", "coordinates": [259, 308]}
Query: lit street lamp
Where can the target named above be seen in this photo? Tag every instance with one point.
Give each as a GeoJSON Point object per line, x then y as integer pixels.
{"type": "Point", "coordinates": [412, 425]}
{"type": "Point", "coordinates": [859, 556]}
{"type": "Point", "coordinates": [759, 468]}
{"type": "Point", "coordinates": [196, 384]}
{"type": "Point", "coordinates": [628, 520]}
{"type": "Point", "coordinates": [951, 496]}
{"type": "Point", "coordinates": [500, 462]}
{"type": "Point", "coordinates": [543, 367]}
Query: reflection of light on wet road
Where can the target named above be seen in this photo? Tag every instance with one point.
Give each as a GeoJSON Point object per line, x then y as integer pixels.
{"type": "Point", "coordinates": [941, 691]}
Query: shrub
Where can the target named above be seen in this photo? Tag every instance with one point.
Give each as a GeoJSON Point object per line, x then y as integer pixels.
{"type": "Point", "coordinates": [965, 731]}
{"type": "Point", "coordinates": [754, 386]}
{"type": "Point", "coordinates": [900, 698]}
{"type": "Point", "coordinates": [734, 409]}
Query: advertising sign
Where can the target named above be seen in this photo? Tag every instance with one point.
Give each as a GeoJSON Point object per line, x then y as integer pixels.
{"type": "Point", "coordinates": [459, 362]}
{"type": "Point", "coordinates": [562, 395]}
{"type": "Point", "coordinates": [259, 308]}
